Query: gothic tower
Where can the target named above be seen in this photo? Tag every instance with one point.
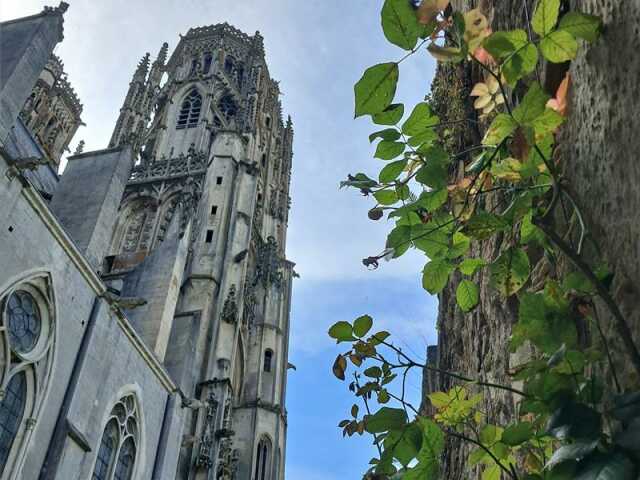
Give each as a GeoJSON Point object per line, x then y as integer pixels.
{"type": "Point", "coordinates": [200, 239]}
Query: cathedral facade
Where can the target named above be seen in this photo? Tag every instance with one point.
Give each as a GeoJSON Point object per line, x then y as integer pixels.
{"type": "Point", "coordinates": [144, 293]}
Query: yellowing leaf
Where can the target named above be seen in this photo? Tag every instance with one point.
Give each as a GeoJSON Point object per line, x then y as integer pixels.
{"type": "Point", "coordinates": [445, 54]}
{"type": "Point", "coordinates": [430, 9]}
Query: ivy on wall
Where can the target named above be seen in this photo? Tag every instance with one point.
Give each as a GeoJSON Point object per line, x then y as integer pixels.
{"type": "Point", "coordinates": [509, 185]}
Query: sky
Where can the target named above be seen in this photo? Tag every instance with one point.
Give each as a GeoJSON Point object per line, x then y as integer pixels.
{"type": "Point", "coordinates": [317, 49]}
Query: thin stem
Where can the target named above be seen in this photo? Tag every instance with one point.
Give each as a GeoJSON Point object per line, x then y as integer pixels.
{"type": "Point", "coordinates": [620, 322]}
{"type": "Point", "coordinates": [605, 343]}
{"type": "Point", "coordinates": [486, 449]}
{"type": "Point", "coordinates": [366, 406]}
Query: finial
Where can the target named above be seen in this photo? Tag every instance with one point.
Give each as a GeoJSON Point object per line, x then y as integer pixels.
{"type": "Point", "coordinates": [79, 148]}
{"type": "Point", "coordinates": [143, 67]}
{"type": "Point", "coordinates": [162, 55]}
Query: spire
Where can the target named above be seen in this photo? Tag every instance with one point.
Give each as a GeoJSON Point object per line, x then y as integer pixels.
{"type": "Point", "coordinates": [143, 68]}
{"type": "Point", "coordinates": [158, 67]}
{"type": "Point", "coordinates": [162, 54]}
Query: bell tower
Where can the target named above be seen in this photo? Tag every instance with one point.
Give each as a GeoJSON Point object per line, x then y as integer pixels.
{"type": "Point", "coordinates": [201, 237]}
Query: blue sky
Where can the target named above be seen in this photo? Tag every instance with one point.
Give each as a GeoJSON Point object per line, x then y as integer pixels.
{"type": "Point", "coordinates": [317, 49]}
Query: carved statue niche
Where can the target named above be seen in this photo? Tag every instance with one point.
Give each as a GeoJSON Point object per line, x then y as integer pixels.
{"type": "Point", "coordinates": [230, 308]}
{"type": "Point", "coordinates": [189, 199]}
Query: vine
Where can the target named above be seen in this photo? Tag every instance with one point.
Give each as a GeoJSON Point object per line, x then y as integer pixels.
{"type": "Point", "coordinates": [508, 186]}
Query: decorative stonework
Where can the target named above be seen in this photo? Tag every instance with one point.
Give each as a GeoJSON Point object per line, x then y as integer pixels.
{"type": "Point", "coordinates": [204, 459]}
{"type": "Point", "coordinates": [230, 309]}
{"type": "Point", "coordinates": [268, 264]}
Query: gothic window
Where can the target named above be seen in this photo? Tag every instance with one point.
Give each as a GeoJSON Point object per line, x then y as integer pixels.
{"type": "Point", "coordinates": [23, 321]}
{"type": "Point", "coordinates": [263, 460]}
{"type": "Point", "coordinates": [208, 60]}
{"type": "Point", "coordinates": [26, 328]}
{"type": "Point", "coordinates": [228, 107]}
{"type": "Point", "coordinates": [229, 64]}
{"type": "Point", "coordinates": [268, 357]}
{"type": "Point", "coordinates": [11, 412]}
{"type": "Point", "coordinates": [117, 453]}
{"type": "Point", "coordinates": [106, 452]}
{"type": "Point", "coordinates": [189, 114]}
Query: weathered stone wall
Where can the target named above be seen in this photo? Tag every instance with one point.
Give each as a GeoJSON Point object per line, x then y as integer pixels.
{"type": "Point", "coordinates": [598, 155]}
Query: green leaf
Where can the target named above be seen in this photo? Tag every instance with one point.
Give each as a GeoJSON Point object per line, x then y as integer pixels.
{"type": "Point", "coordinates": [494, 472]}
{"type": "Point", "coordinates": [421, 119]}
{"type": "Point", "coordinates": [607, 467]}
{"type": "Point", "coordinates": [429, 455]}
{"type": "Point", "coordinates": [547, 123]}
{"type": "Point", "coordinates": [389, 116]}
{"type": "Point", "coordinates": [559, 46]}
{"type": "Point", "coordinates": [581, 25]}
{"type": "Point", "coordinates": [405, 443]}
{"type": "Point", "coordinates": [543, 327]}
{"type": "Point", "coordinates": [510, 271]}
{"type": "Point", "coordinates": [399, 239]}
{"type": "Point", "coordinates": [374, 92]}
{"type": "Point", "coordinates": [469, 266]}
{"type": "Point", "coordinates": [516, 434]}
{"type": "Point", "coordinates": [386, 419]}
{"type": "Point", "coordinates": [490, 434]}
{"type": "Point", "coordinates": [388, 134]}
{"type": "Point", "coordinates": [373, 372]}
{"type": "Point", "coordinates": [386, 197]}
{"type": "Point", "coordinates": [400, 24]}
{"type": "Point", "coordinates": [445, 54]}
{"type": "Point", "coordinates": [392, 171]}
{"type": "Point", "coordinates": [362, 325]}
{"type": "Point", "coordinates": [379, 337]}
{"type": "Point", "coordinates": [433, 175]}
{"type": "Point", "coordinates": [459, 246]}
{"type": "Point", "coordinates": [467, 295]}
{"type": "Point", "coordinates": [436, 275]}
{"type": "Point", "coordinates": [503, 44]}
{"type": "Point", "coordinates": [484, 224]}
{"type": "Point", "coordinates": [342, 332]}
{"type": "Point", "coordinates": [545, 16]}
{"type": "Point", "coordinates": [532, 105]}
{"type": "Point", "coordinates": [574, 451]}
{"type": "Point", "coordinates": [433, 200]}
{"type": "Point", "coordinates": [501, 127]}
{"type": "Point", "coordinates": [425, 138]}
{"type": "Point", "coordinates": [388, 150]}
{"type": "Point", "coordinates": [431, 239]}
{"type": "Point", "coordinates": [520, 64]}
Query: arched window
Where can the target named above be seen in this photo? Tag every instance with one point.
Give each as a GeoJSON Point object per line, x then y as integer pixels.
{"type": "Point", "coordinates": [229, 64]}
{"type": "Point", "coordinates": [268, 357]}
{"type": "Point", "coordinates": [26, 339]}
{"type": "Point", "coordinates": [208, 60]}
{"type": "Point", "coordinates": [117, 453]}
{"type": "Point", "coordinates": [263, 460]}
{"type": "Point", "coordinates": [11, 413]}
{"type": "Point", "coordinates": [190, 110]}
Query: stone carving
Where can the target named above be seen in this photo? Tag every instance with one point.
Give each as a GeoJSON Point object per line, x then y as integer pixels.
{"type": "Point", "coordinates": [230, 308]}
{"type": "Point", "coordinates": [204, 459]}
{"type": "Point", "coordinates": [268, 264]}
{"type": "Point", "coordinates": [189, 199]}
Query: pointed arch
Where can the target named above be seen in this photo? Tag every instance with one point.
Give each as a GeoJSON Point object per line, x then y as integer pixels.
{"type": "Point", "coordinates": [27, 339]}
{"type": "Point", "coordinates": [191, 106]}
{"type": "Point", "coordinates": [264, 454]}
{"type": "Point", "coordinates": [119, 444]}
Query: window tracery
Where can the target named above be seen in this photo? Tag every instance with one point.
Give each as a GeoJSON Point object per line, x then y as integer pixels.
{"type": "Point", "coordinates": [117, 453]}
{"type": "Point", "coordinates": [228, 107]}
{"type": "Point", "coordinates": [26, 344]}
{"type": "Point", "coordinates": [263, 460]}
{"type": "Point", "coordinates": [189, 114]}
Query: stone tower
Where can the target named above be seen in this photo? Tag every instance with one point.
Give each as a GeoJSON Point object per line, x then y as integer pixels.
{"type": "Point", "coordinates": [200, 237]}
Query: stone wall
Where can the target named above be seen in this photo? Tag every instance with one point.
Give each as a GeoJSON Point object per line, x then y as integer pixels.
{"type": "Point", "coordinates": [598, 155]}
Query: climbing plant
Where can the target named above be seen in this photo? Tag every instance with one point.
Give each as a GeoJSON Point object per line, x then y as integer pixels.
{"type": "Point", "coordinates": [567, 425]}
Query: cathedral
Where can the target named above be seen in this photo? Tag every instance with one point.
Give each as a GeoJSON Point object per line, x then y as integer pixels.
{"type": "Point", "coordinates": [144, 292]}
